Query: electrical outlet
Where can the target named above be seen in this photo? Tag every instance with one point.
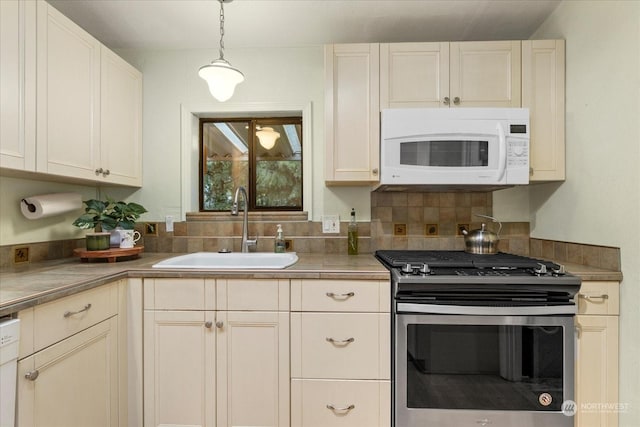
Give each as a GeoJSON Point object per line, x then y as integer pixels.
{"type": "Point", "coordinates": [399, 229]}
{"type": "Point", "coordinates": [460, 228]}
{"type": "Point", "coordinates": [168, 222]}
{"type": "Point", "coordinates": [331, 224]}
{"type": "Point", "coordinates": [151, 228]}
{"type": "Point", "coordinates": [288, 245]}
{"type": "Point", "coordinates": [431, 230]}
{"type": "Point", "coordinates": [21, 255]}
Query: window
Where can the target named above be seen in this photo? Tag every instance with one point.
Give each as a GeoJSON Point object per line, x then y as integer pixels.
{"type": "Point", "coordinates": [234, 152]}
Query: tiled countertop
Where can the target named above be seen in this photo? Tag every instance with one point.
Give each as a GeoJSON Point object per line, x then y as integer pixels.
{"type": "Point", "coordinates": [29, 285]}
{"type": "Point", "coordinates": [25, 286]}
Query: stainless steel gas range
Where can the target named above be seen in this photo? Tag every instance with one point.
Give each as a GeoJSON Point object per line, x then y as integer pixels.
{"type": "Point", "coordinates": [481, 340]}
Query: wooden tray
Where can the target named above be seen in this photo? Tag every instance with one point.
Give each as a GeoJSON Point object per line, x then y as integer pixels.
{"type": "Point", "coordinates": [111, 255]}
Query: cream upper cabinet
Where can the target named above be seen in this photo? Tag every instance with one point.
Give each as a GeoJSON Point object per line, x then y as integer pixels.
{"type": "Point", "coordinates": [456, 74]}
{"type": "Point", "coordinates": [17, 85]}
{"type": "Point", "coordinates": [352, 119]}
{"type": "Point", "coordinates": [88, 105]}
{"type": "Point", "coordinates": [120, 120]}
{"type": "Point", "coordinates": [597, 355]}
{"type": "Point", "coordinates": [543, 87]}
{"type": "Point", "coordinates": [414, 74]}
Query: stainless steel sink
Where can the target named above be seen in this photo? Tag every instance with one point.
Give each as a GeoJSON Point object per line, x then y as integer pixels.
{"type": "Point", "coordinates": [230, 261]}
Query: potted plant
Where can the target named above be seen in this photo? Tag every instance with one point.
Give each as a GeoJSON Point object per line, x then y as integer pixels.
{"type": "Point", "coordinates": [104, 216]}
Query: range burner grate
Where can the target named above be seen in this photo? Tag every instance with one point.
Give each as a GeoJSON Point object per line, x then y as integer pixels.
{"type": "Point", "coordinates": [459, 259]}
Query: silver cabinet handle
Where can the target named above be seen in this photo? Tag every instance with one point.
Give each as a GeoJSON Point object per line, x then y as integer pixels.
{"type": "Point", "coordinates": [219, 324]}
{"type": "Point", "coordinates": [456, 100]}
{"type": "Point", "coordinates": [106, 172]}
{"type": "Point", "coordinates": [32, 375]}
{"type": "Point", "coordinates": [99, 171]}
{"type": "Point", "coordinates": [592, 297]}
{"type": "Point", "coordinates": [340, 342]}
{"type": "Point", "coordinates": [345, 409]}
{"type": "Point", "coordinates": [73, 313]}
{"type": "Point", "coordinates": [375, 171]}
{"type": "Point", "coordinates": [446, 100]}
{"type": "Point", "coordinates": [208, 324]}
{"type": "Point", "coordinates": [340, 296]}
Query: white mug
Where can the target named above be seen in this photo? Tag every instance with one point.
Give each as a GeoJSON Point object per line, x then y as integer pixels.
{"type": "Point", "coordinates": [128, 238]}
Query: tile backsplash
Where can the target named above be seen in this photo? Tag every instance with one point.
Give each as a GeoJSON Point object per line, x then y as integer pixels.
{"type": "Point", "coordinates": [429, 221]}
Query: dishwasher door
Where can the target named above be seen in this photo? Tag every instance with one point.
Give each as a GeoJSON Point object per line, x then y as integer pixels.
{"type": "Point", "coordinates": [9, 343]}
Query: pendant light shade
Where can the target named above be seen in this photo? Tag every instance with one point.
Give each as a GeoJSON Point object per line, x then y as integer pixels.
{"type": "Point", "coordinates": [267, 137]}
{"type": "Point", "coordinates": [221, 77]}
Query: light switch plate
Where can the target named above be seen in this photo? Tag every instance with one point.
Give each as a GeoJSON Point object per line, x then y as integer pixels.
{"type": "Point", "coordinates": [331, 224]}
{"type": "Point", "coordinates": [168, 222]}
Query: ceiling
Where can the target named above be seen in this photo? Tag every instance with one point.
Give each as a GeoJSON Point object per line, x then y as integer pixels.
{"type": "Point", "coordinates": [194, 24]}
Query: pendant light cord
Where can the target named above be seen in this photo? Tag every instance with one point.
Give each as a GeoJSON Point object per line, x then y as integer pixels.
{"type": "Point", "coordinates": [221, 29]}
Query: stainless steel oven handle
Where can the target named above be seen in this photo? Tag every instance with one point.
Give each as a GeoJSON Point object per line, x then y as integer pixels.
{"type": "Point", "coordinates": [485, 311]}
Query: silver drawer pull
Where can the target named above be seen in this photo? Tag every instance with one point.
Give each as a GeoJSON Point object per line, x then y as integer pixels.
{"type": "Point", "coordinates": [345, 409]}
{"type": "Point", "coordinates": [592, 297]}
{"type": "Point", "coordinates": [32, 375]}
{"type": "Point", "coordinates": [73, 313]}
{"type": "Point", "coordinates": [340, 342]}
{"type": "Point", "coordinates": [340, 296]}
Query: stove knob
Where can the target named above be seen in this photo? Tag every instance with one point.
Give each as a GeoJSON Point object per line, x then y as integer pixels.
{"type": "Point", "coordinates": [560, 271]}
{"type": "Point", "coordinates": [424, 269]}
{"type": "Point", "coordinates": [540, 271]}
{"type": "Point", "coordinates": [407, 268]}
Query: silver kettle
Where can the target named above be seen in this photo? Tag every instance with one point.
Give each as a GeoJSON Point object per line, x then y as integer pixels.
{"type": "Point", "coordinates": [482, 241]}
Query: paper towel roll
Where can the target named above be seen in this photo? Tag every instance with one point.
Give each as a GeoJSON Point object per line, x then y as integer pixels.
{"type": "Point", "coordinates": [46, 205]}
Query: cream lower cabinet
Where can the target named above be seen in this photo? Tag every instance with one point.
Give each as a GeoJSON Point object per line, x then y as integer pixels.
{"type": "Point", "coordinates": [71, 376]}
{"type": "Point", "coordinates": [597, 355]}
{"type": "Point", "coordinates": [340, 353]}
{"type": "Point", "coordinates": [216, 353]}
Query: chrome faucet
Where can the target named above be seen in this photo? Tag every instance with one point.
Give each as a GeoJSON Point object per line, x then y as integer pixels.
{"type": "Point", "coordinates": [246, 243]}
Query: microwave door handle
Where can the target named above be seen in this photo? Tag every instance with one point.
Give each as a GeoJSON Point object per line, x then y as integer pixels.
{"type": "Point", "coordinates": [502, 152]}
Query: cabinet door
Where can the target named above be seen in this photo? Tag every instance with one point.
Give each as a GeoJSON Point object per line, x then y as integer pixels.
{"type": "Point", "coordinates": [253, 369]}
{"type": "Point", "coordinates": [414, 75]}
{"type": "Point", "coordinates": [597, 371]}
{"type": "Point", "coordinates": [543, 82]}
{"type": "Point", "coordinates": [179, 368]}
{"type": "Point", "coordinates": [485, 74]}
{"type": "Point", "coordinates": [121, 120]}
{"type": "Point", "coordinates": [17, 85]}
{"type": "Point", "coordinates": [74, 383]}
{"type": "Point", "coordinates": [352, 119]}
{"type": "Point", "coordinates": [68, 96]}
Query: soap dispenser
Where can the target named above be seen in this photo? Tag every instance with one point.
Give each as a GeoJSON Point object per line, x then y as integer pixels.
{"type": "Point", "coordinates": [280, 245]}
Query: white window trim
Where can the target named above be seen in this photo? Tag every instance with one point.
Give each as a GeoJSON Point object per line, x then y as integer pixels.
{"type": "Point", "coordinates": [190, 146]}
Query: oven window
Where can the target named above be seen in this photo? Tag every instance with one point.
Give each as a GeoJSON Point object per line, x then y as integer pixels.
{"type": "Point", "coordinates": [446, 153]}
{"type": "Point", "coordinates": [488, 367]}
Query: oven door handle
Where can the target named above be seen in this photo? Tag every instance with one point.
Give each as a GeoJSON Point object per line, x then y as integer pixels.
{"type": "Point", "coordinates": [486, 310]}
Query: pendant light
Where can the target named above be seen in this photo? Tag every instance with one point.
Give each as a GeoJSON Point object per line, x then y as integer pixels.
{"type": "Point", "coordinates": [221, 77]}
{"type": "Point", "coordinates": [267, 137]}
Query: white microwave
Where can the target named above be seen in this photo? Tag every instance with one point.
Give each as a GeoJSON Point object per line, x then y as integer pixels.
{"type": "Point", "coordinates": [454, 146]}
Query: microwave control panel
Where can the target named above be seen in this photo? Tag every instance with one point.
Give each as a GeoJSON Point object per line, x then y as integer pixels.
{"type": "Point", "coordinates": [517, 152]}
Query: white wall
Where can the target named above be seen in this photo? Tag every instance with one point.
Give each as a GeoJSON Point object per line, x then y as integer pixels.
{"type": "Point", "coordinates": [600, 201]}
{"type": "Point", "coordinates": [287, 76]}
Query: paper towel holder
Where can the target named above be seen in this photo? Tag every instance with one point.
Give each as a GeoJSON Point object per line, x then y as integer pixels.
{"type": "Point", "coordinates": [30, 206]}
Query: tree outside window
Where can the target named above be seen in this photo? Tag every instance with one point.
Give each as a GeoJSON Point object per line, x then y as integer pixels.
{"type": "Point", "coordinates": [235, 152]}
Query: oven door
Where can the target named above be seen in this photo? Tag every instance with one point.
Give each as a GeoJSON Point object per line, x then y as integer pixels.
{"type": "Point", "coordinates": [468, 370]}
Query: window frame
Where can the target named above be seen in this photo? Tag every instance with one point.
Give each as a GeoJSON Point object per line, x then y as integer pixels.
{"type": "Point", "coordinates": [251, 158]}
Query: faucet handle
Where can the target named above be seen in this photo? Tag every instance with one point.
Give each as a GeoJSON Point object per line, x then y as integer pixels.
{"type": "Point", "coordinates": [252, 242]}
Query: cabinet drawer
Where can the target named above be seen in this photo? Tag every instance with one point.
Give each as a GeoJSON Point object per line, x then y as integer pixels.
{"type": "Point", "coordinates": [59, 319]}
{"type": "Point", "coordinates": [340, 295]}
{"type": "Point", "coordinates": [179, 294]}
{"type": "Point", "coordinates": [356, 403]}
{"type": "Point", "coordinates": [252, 295]}
{"type": "Point", "coordinates": [340, 345]}
{"type": "Point", "coordinates": [599, 298]}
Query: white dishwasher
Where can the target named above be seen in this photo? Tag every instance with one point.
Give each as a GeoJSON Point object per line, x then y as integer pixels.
{"type": "Point", "coordinates": [9, 343]}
